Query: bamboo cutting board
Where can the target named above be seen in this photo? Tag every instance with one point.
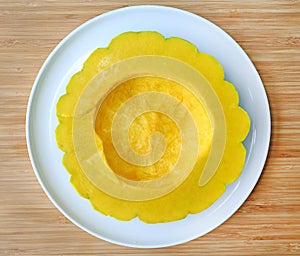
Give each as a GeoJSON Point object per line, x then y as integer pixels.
{"type": "Point", "coordinates": [268, 223]}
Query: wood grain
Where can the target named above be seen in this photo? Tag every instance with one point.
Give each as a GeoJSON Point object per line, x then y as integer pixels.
{"type": "Point", "coordinates": [269, 221]}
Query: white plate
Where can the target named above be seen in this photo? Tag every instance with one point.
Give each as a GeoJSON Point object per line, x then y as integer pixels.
{"type": "Point", "coordinates": [68, 57]}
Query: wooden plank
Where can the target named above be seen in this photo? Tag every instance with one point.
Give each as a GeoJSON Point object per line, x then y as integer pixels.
{"type": "Point", "coordinates": [269, 221]}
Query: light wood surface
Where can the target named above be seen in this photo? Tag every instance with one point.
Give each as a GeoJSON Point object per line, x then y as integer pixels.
{"type": "Point", "coordinates": [269, 221]}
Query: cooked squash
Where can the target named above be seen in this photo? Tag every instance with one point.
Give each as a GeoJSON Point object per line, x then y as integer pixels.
{"type": "Point", "coordinates": [148, 127]}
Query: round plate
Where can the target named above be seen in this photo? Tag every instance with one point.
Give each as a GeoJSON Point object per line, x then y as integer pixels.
{"type": "Point", "coordinates": [67, 58]}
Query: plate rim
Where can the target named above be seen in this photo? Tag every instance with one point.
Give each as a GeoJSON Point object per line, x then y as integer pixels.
{"type": "Point", "coordinates": [37, 81]}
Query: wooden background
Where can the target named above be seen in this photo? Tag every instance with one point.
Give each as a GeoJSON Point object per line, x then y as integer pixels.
{"type": "Point", "coordinates": [267, 224]}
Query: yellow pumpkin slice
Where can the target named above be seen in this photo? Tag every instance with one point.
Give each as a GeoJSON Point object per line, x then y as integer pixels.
{"type": "Point", "coordinates": [148, 129]}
